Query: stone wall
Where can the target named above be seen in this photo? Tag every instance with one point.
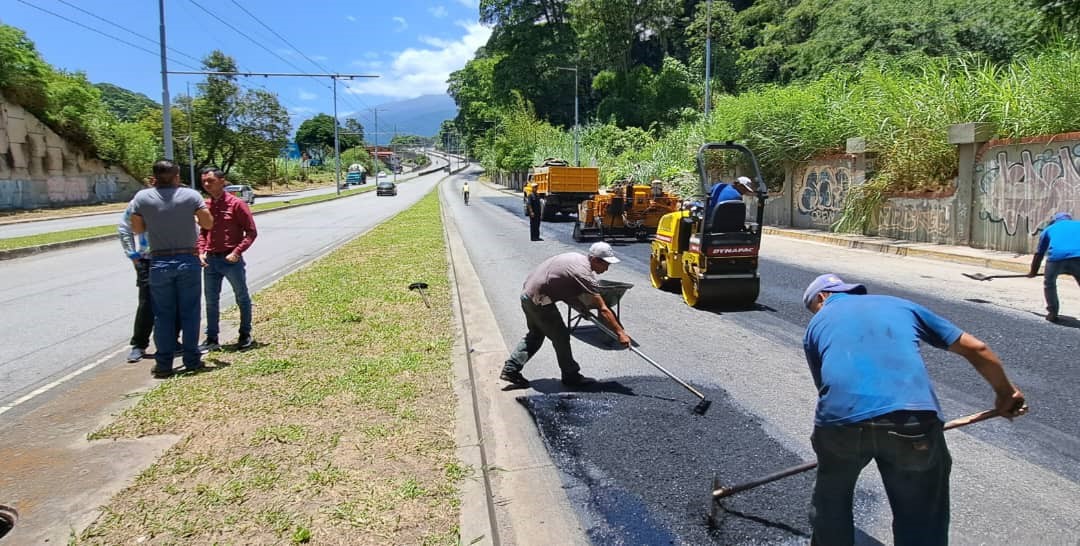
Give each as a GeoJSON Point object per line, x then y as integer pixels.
{"type": "Point", "coordinates": [39, 169]}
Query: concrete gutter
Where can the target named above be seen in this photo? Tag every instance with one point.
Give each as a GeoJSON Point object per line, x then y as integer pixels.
{"type": "Point", "coordinates": [31, 250]}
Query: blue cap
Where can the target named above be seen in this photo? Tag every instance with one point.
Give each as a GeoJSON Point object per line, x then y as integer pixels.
{"type": "Point", "coordinates": [829, 283]}
{"type": "Point", "coordinates": [1061, 216]}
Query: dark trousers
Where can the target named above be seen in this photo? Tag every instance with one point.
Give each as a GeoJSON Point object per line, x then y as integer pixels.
{"type": "Point", "coordinates": [534, 226]}
{"type": "Point", "coordinates": [543, 321]}
{"type": "Point", "coordinates": [1053, 270]}
{"type": "Point", "coordinates": [144, 314]}
{"type": "Point", "coordinates": [914, 462]}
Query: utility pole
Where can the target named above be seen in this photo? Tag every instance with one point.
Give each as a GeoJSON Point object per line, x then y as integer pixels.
{"type": "Point", "coordinates": [376, 155]}
{"type": "Point", "coordinates": [708, 55]}
{"type": "Point", "coordinates": [577, 157]}
{"type": "Point", "coordinates": [191, 139]}
{"type": "Point", "coordinates": [166, 113]}
{"type": "Point", "coordinates": [393, 152]}
{"type": "Point", "coordinates": [337, 151]}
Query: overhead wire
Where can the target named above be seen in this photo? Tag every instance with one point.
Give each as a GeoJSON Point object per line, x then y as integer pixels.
{"type": "Point", "coordinates": [110, 36]}
{"type": "Point", "coordinates": [128, 30]}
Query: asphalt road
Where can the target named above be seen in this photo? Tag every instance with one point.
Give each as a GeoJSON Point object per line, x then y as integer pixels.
{"type": "Point", "coordinates": [638, 466]}
{"type": "Point", "coordinates": [23, 229]}
{"type": "Point", "coordinates": [73, 308]}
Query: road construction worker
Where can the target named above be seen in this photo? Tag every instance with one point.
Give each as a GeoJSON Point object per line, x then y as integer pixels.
{"type": "Point", "coordinates": [533, 205]}
{"type": "Point", "coordinates": [465, 191]}
{"type": "Point", "coordinates": [876, 402]}
{"type": "Point", "coordinates": [1060, 243]}
{"type": "Point", "coordinates": [569, 278]}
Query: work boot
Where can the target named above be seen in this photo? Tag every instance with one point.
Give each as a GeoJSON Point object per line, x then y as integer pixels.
{"type": "Point", "coordinates": [245, 342]}
{"type": "Point", "coordinates": [514, 377]}
{"type": "Point", "coordinates": [136, 354]}
{"type": "Point", "coordinates": [1052, 316]}
{"type": "Point", "coordinates": [209, 344]}
{"type": "Point", "coordinates": [577, 380]}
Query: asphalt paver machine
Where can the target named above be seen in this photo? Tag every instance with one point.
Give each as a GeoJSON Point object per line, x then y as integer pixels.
{"type": "Point", "coordinates": [710, 250]}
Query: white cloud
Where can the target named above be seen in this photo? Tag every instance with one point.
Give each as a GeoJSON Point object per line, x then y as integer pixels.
{"type": "Point", "coordinates": [438, 11]}
{"type": "Point", "coordinates": [307, 95]}
{"type": "Point", "coordinates": [402, 23]}
{"type": "Point", "coordinates": [416, 72]}
{"type": "Point", "coordinates": [350, 18]}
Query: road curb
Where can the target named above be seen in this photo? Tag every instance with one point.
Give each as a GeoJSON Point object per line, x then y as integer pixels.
{"type": "Point", "coordinates": [898, 249]}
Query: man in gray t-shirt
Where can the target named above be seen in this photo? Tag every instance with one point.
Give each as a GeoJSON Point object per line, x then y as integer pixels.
{"type": "Point", "coordinates": [569, 278]}
{"type": "Point", "coordinates": [168, 214]}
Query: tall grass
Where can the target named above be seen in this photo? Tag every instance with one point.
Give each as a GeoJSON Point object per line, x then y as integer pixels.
{"type": "Point", "coordinates": [903, 115]}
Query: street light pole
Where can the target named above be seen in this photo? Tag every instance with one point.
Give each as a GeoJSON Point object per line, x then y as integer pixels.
{"type": "Point", "coordinates": [577, 157]}
{"type": "Point", "coordinates": [337, 151]}
{"type": "Point", "coordinates": [708, 54]}
{"type": "Point", "coordinates": [166, 112]}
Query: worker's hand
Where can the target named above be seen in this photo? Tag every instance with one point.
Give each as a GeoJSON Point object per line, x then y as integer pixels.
{"type": "Point", "coordinates": [1010, 404]}
{"type": "Point", "coordinates": [202, 259]}
{"type": "Point", "coordinates": [624, 339]}
{"type": "Point", "coordinates": [232, 258]}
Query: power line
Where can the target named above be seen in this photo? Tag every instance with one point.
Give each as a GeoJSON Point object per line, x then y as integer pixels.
{"type": "Point", "coordinates": [110, 36]}
{"type": "Point", "coordinates": [125, 29]}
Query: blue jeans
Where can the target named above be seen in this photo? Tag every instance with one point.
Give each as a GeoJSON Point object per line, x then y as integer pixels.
{"type": "Point", "coordinates": [1070, 266]}
{"type": "Point", "coordinates": [217, 268]}
{"type": "Point", "coordinates": [914, 462]}
{"type": "Point", "coordinates": [174, 291]}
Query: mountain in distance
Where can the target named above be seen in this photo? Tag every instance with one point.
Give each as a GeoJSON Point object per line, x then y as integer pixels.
{"type": "Point", "coordinates": [124, 103]}
{"type": "Point", "coordinates": [421, 116]}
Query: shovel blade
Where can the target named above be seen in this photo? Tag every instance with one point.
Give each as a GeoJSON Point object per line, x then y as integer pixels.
{"type": "Point", "coordinates": [979, 276]}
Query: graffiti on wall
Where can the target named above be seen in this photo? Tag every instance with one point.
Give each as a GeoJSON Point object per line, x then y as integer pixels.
{"type": "Point", "coordinates": [61, 189]}
{"type": "Point", "coordinates": [819, 192]}
{"type": "Point", "coordinates": [1022, 190]}
{"type": "Point", "coordinates": [13, 192]}
{"type": "Point", "coordinates": [921, 220]}
{"type": "Point", "coordinates": [105, 187]}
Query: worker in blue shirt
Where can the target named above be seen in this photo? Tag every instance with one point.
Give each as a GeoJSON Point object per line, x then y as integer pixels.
{"type": "Point", "coordinates": [1060, 244]}
{"type": "Point", "coordinates": [876, 402]}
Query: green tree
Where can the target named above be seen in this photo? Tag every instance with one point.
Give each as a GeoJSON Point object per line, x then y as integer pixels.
{"type": "Point", "coordinates": [316, 135]}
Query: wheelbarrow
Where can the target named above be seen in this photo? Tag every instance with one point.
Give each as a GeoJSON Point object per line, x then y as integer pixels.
{"type": "Point", "coordinates": [611, 291]}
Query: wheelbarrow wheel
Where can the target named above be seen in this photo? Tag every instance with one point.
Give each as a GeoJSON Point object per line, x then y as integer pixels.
{"type": "Point", "coordinates": [658, 273]}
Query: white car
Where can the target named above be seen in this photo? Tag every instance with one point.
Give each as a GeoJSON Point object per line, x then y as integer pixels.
{"type": "Point", "coordinates": [243, 191]}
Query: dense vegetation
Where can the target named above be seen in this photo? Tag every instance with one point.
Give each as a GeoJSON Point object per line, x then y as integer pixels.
{"type": "Point", "coordinates": [791, 78]}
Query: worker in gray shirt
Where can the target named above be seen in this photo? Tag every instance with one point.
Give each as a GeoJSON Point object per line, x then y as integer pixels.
{"type": "Point", "coordinates": [168, 214]}
{"type": "Point", "coordinates": [569, 278]}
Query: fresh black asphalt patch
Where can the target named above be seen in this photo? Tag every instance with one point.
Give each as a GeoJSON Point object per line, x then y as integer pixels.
{"type": "Point", "coordinates": [638, 465]}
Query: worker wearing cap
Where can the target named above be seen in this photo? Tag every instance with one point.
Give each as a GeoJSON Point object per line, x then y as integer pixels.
{"type": "Point", "coordinates": [569, 278]}
{"type": "Point", "coordinates": [1060, 244]}
{"type": "Point", "coordinates": [533, 205]}
{"type": "Point", "coordinates": [876, 402]}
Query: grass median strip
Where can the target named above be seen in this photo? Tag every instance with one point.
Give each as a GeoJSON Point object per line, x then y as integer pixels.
{"type": "Point", "coordinates": [12, 243]}
{"type": "Point", "coordinates": [337, 428]}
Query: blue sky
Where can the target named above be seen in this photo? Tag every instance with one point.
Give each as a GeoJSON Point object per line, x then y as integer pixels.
{"type": "Point", "coordinates": [411, 44]}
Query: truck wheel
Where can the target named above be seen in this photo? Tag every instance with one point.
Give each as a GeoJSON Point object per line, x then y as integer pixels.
{"type": "Point", "coordinates": [577, 232]}
{"type": "Point", "coordinates": [548, 210]}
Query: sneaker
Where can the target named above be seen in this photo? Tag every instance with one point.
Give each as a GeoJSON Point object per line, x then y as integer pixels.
{"type": "Point", "coordinates": [514, 377]}
{"type": "Point", "coordinates": [210, 344]}
{"type": "Point", "coordinates": [161, 374]}
{"type": "Point", "coordinates": [136, 354]}
{"type": "Point", "coordinates": [1052, 317]}
{"type": "Point", "coordinates": [193, 369]}
{"type": "Point", "coordinates": [577, 380]}
{"type": "Point", "coordinates": [245, 342]}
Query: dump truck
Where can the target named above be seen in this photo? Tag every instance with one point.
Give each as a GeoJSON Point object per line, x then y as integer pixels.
{"type": "Point", "coordinates": [623, 211]}
{"type": "Point", "coordinates": [560, 187]}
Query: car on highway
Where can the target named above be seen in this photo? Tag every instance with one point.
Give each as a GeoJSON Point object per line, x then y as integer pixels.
{"type": "Point", "coordinates": [386, 187]}
{"type": "Point", "coordinates": [243, 191]}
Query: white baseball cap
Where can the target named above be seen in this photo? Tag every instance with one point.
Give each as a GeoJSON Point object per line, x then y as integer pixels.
{"type": "Point", "coordinates": [603, 251]}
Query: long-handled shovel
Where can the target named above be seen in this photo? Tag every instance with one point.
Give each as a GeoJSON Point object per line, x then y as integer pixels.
{"type": "Point", "coordinates": [982, 277]}
{"type": "Point", "coordinates": [699, 409]}
{"type": "Point", "coordinates": [719, 491]}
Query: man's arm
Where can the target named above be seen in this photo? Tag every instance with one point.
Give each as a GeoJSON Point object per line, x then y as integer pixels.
{"type": "Point", "coordinates": [127, 239]}
{"type": "Point", "coordinates": [605, 313]}
{"type": "Point", "coordinates": [138, 225]}
{"type": "Point", "coordinates": [204, 219]}
{"type": "Point", "coordinates": [247, 222]}
{"type": "Point", "coordinates": [1008, 397]}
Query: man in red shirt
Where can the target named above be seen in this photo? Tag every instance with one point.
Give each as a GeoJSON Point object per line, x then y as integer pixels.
{"type": "Point", "coordinates": [221, 250]}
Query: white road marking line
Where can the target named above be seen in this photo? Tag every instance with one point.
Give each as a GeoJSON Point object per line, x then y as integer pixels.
{"type": "Point", "coordinates": [45, 388]}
